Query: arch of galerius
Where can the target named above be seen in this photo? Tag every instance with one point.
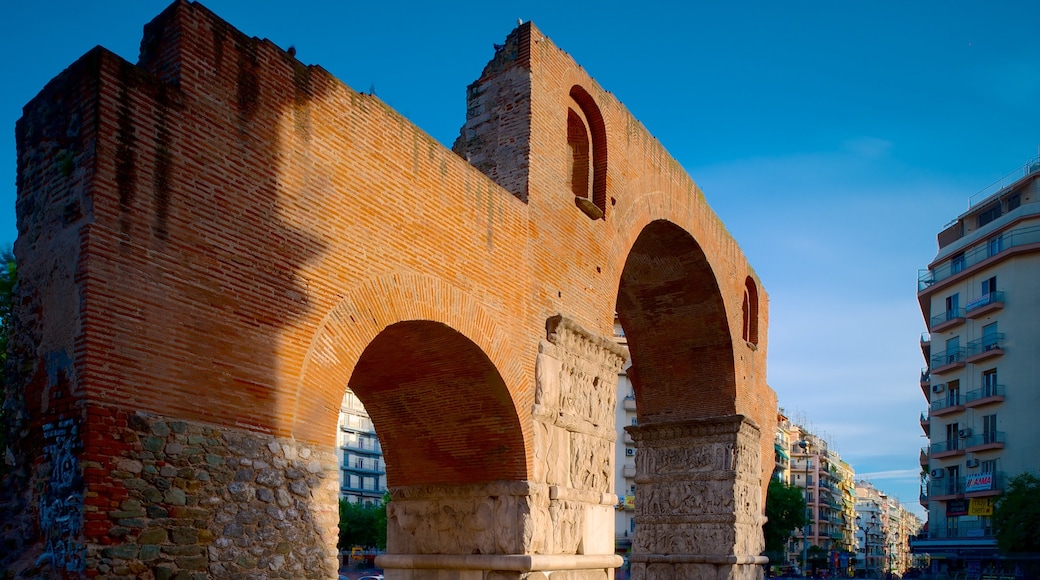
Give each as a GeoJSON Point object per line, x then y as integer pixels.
{"type": "Point", "coordinates": [216, 241]}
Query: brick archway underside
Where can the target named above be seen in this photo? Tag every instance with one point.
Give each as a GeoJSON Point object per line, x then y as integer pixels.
{"type": "Point", "coordinates": [442, 411]}
{"type": "Point", "coordinates": [675, 322]}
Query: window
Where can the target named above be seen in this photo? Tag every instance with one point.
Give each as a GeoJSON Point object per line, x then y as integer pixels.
{"type": "Point", "coordinates": [989, 428]}
{"type": "Point", "coordinates": [587, 145]}
{"type": "Point", "coordinates": [953, 474]}
{"type": "Point", "coordinates": [957, 263]}
{"type": "Point", "coordinates": [952, 437]}
{"type": "Point", "coordinates": [989, 466]}
{"type": "Point", "coordinates": [989, 336]}
{"type": "Point", "coordinates": [952, 306]}
{"type": "Point", "coordinates": [953, 393]}
{"type": "Point", "coordinates": [989, 214]}
{"type": "Point", "coordinates": [989, 383]}
{"type": "Point", "coordinates": [989, 286]}
{"type": "Point", "coordinates": [750, 311]}
{"type": "Point", "coordinates": [1014, 201]}
{"type": "Point", "coordinates": [995, 245]}
{"type": "Point", "coordinates": [953, 349]}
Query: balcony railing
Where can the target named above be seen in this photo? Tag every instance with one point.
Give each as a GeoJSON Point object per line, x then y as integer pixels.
{"type": "Point", "coordinates": [977, 307]}
{"type": "Point", "coordinates": [990, 345]}
{"type": "Point", "coordinates": [983, 483]}
{"type": "Point", "coordinates": [947, 319]}
{"type": "Point", "coordinates": [946, 405]}
{"type": "Point", "coordinates": [945, 446]}
{"type": "Point", "coordinates": [963, 530]}
{"type": "Point", "coordinates": [984, 396]}
{"type": "Point", "coordinates": [995, 439]}
{"type": "Point", "coordinates": [977, 253]}
{"type": "Point", "coordinates": [947, 359]}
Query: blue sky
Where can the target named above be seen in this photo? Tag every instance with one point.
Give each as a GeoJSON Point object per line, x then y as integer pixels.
{"type": "Point", "coordinates": [833, 138]}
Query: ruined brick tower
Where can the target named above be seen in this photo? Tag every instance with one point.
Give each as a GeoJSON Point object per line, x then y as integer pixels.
{"type": "Point", "coordinates": [215, 242]}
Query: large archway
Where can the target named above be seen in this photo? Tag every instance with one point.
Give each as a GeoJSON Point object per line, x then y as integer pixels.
{"type": "Point", "coordinates": [698, 511]}
{"type": "Point", "coordinates": [675, 319]}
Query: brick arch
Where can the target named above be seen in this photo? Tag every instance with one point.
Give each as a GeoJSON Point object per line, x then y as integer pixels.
{"type": "Point", "coordinates": [364, 313]}
{"type": "Point", "coordinates": [671, 307]}
{"type": "Point", "coordinates": [442, 411]}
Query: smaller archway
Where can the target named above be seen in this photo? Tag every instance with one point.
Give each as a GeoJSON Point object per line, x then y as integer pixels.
{"type": "Point", "coordinates": [441, 408]}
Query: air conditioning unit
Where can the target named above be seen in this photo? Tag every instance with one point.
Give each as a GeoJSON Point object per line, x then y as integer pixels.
{"type": "Point", "coordinates": [937, 473]}
{"type": "Point", "coordinates": [630, 452]}
{"type": "Point", "coordinates": [992, 346]}
{"type": "Point", "coordinates": [964, 433]}
{"type": "Point", "coordinates": [939, 388]}
{"type": "Point", "coordinates": [972, 463]}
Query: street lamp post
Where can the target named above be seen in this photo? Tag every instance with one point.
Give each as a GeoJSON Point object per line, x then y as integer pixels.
{"type": "Point", "coordinates": [867, 528]}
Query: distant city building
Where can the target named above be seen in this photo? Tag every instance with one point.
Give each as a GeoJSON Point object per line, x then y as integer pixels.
{"type": "Point", "coordinates": [826, 482]}
{"type": "Point", "coordinates": [362, 471]}
{"type": "Point", "coordinates": [883, 530]}
{"type": "Point", "coordinates": [782, 448]}
{"type": "Point", "coordinates": [979, 298]}
{"type": "Point", "coordinates": [625, 455]}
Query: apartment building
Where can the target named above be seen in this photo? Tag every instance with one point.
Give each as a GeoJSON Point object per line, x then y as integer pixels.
{"type": "Point", "coordinates": [362, 470]}
{"type": "Point", "coordinates": [782, 448]}
{"type": "Point", "coordinates": [829, 495]}
{"type": "Point", "coordinates": [980, 298]}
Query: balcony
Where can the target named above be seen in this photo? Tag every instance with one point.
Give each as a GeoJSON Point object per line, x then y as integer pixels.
{"type": "Point", "coordinates": [984, 304]}
{"type": "Point", "coordinates": [985, 396]}
{"type": "Point", "coordinates": [630, 403]}
{"type": "Point", "coordinates": [943, 449]}
{"type": "Point", "coordinates": [1009, 241]}
{"type": "Point", "coordinates": [926, 425]}
{"type": "Point", "coordinates": [947, 320]}
{"type": "Point", "coordinates": [985, 347]}
{"type": "Point", "coordinates": [946, 406]}
{"type": "Point", "coordinates": [926, 380]}
{"type": "Point", "coordinates": [983, 484]}
{"type": "Point", "coordinates": [924, 457]}
{"type": "Point", "coordinates": [629, 470]}
{"type": "Point", "coordinates": [984, 442]}
{"type": "Point", "coordinates": [946, 488]}
{"type": "Point", "coordinates": [948, 360]}
{"type": "Point", "coordinates": [962, 530]}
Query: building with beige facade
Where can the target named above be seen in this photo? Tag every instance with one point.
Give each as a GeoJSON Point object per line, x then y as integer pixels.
{"type": "Point", "coordinates": [829, 494]}
{"type": "Point", "coordinates": [980, 298]}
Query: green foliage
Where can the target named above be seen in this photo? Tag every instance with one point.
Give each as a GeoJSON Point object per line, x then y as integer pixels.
{"type": "Point", "coordinates": [785, 508]}
{"type": "Point", "coordinates": [362, 525]}
{"type": "Point", "coordinates": [1016, 515]}
{"type": "Point", "coordinates": [8, 279]}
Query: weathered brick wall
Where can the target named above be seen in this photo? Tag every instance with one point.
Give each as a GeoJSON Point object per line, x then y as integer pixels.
{"type": "Point", "coordinates": [219, 234]}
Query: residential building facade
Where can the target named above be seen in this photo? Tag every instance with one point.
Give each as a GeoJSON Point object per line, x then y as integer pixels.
{"type": "Point", "coordinates": [825, 480]}
{"type": "Point", "coordinates": [624, 456]}
{"type": "Point", "coordinates": [980, 298]}
{"type": "Point", "coordinates": [362, 470]}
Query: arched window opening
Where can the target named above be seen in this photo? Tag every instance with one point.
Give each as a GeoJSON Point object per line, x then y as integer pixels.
{"type": "Point", "coordinates": [750, 312]}
{"type": "Point", "coordinates": [578, 155]}
{"type": "Point", "coordinates": [587, 144]}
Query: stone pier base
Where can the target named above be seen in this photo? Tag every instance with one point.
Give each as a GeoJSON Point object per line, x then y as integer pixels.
{"type": "Point", "coordinates": [698, 513]}
{"type": "Point", "coordinates": [498, 567]}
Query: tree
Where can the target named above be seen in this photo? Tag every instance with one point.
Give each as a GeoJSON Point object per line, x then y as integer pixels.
{"type": "Point", "coordinates": [785, 508]}
{"type": "Point", "coordinates": [362, 524]}
{"type": "Point", "coordinates": [1016, 516]}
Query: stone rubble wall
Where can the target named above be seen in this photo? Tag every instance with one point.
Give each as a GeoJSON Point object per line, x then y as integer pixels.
{"type": "Point", "coordinates": [188, 500]}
